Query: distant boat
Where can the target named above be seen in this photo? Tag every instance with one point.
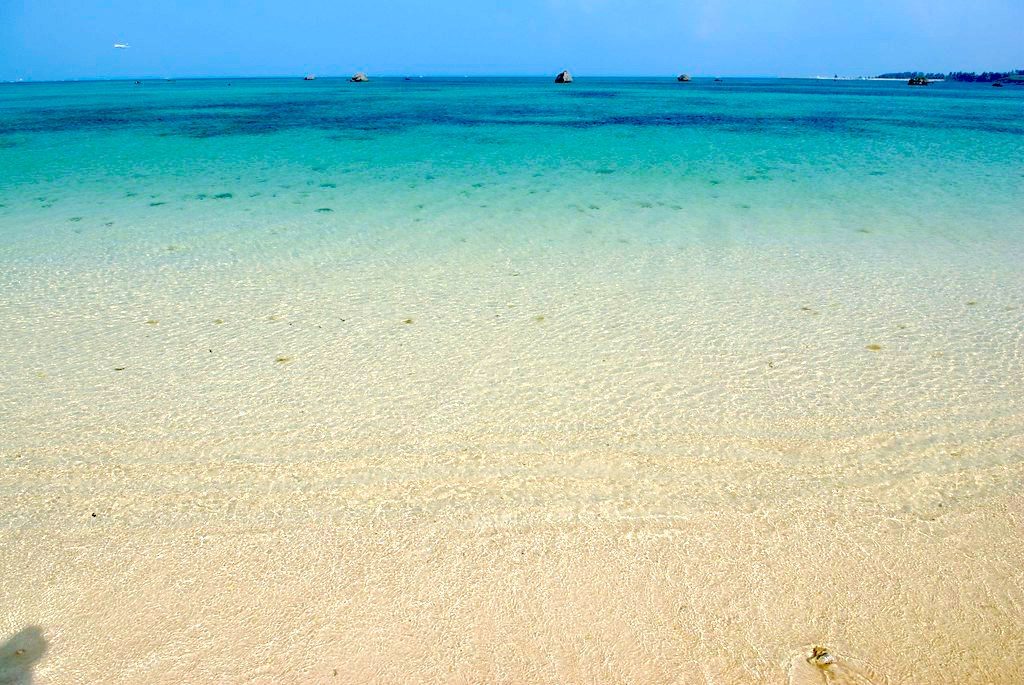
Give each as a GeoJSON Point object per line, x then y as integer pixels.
{"type": "Point", "coordinates": [997, 84]}
{"type": "Point", "coordinates": [309, 77]}
{"type": "Point", "coordinates": [359, 77]}
{"type": "Point", "coordinates": [564, 77]}
{"type": "Point", "coordinates": [121, 46]}
{"type": "Point", "coordinates": [683, 78]}
{"type": "Point", "coordinates": [918, 81]}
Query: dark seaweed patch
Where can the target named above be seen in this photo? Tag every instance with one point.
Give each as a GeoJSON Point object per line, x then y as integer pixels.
{"type": "Point", "coordinates": [362, 119]}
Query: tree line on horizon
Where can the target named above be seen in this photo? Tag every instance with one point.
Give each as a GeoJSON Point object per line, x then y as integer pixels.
{"type": "Point", "coordinates": [965, 76]}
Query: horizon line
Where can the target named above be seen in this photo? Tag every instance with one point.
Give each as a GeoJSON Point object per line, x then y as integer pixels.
{"type": "Point", "coordinates": [394, 74]}
{"type": "Point", "coordinates": [391, 75]}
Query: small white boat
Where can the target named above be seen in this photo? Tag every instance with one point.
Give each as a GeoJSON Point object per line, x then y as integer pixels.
{"type": "Point", "coordinates": [309, 77]}
{"type": "Point", "coordinates": [121, 46]}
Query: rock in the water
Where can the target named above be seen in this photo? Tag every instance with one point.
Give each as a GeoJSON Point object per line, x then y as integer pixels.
{"type": "Point", "coordinates": [564, 77]}
{"type": "Point", "coordinates": [683, 78]}
{"type": "Point", "coordinates": [360, 77]}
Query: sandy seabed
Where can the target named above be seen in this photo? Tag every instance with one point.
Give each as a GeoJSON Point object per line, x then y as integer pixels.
{"type": "Point", "coordinates": [479, 571]}
{"type": "Point", "coordinates": [244, 478]}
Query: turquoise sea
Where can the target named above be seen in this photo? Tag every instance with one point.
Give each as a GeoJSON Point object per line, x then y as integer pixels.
{"type": "Point", "coordinates": [493, 366]}
{"type": "Point", "coordinates": [101, 170]}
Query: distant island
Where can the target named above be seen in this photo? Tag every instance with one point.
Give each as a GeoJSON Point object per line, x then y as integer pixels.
{"type": "Point", "coordinates": [1016, 76]}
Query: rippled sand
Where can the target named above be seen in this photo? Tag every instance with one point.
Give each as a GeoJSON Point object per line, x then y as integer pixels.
{"type": "Point", "coordinates": [508, 481]}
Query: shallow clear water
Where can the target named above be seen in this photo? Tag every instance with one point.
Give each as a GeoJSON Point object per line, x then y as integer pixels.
{"type": "Point", "coordinates": [696, 231]}
{"type": "Point", "coordinates": [692, 321]}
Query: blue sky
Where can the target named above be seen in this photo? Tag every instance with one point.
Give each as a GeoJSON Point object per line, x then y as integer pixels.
{"type": "Point", "coordinates": [60, 39]}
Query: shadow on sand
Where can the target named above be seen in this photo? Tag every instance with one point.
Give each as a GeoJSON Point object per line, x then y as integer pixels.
{"type": "Point", "coordinates": [19, 653]}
